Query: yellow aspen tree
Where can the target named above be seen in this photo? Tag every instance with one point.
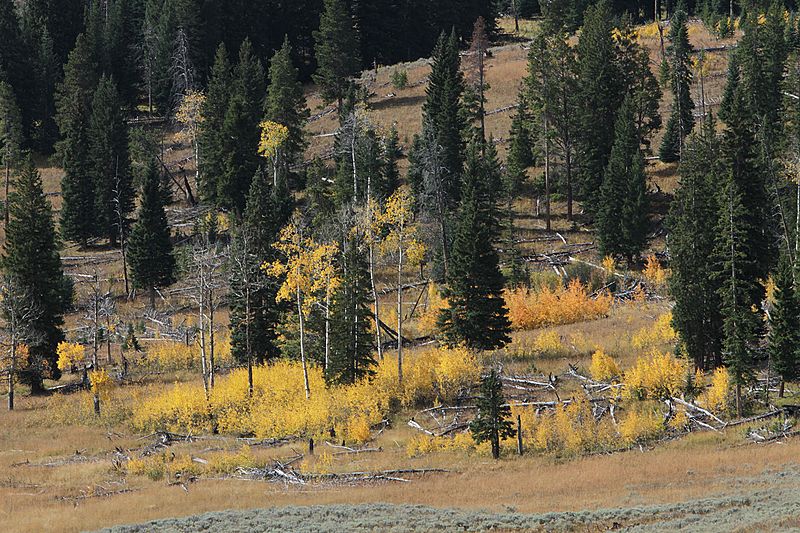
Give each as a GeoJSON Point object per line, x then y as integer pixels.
{"type": "Point", "coordinates": [371, 218]}
{"type": "Point", "coordinates": [309, 276]}
{"type": "Point", "coordinates": [190, 117]}
{"type": "Point", "coordinates": [273, 137]}
{"type": "Point", "coordinates": [401, 243]}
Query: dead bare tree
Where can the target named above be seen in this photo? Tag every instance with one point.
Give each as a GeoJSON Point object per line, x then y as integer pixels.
{"type": "Point", "coordinates": [19, 313]}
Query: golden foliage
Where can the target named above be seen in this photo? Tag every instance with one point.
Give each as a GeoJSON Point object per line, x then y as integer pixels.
{"type": "Point", "coordinates": [716, 398]}
{"type": "Point", "coordinates": [609, 265]}
{"type": "Point", "coordinates": [548, 343]}
{"type": "Point", "coordinates": [190, 114]}
{"type": "Point", "coordinates": [273, 135]}
{"type": "Point", "coordinates": [423, 444]}
{"type": "Point", "coordinates": [547, 307]}
{"type": "Point", "coordinates": [100, 380]}
{"type": "Point", "coordinates": [70, 355]}
{"type": "Point", "coordinates": [659, 376]}
{"type": "Point", "coordinates": [571, 429]}
{"type": "Point", "coordinates": [641, 424]}
{"type": "Point", "coordinates": [401, 237]}
{"type": "Point", "coordinates": [654, 272]}
{"type": "Point", "coordinates": [167, 355]}
{"type": "Point", "coordinates": [426, 324]}
{"type": "Point", "coordinates": [660, 333]}
{"type": "Point", "coordinates": [603, 367]}
{"type": "Point", "coordinates": [279, 408]}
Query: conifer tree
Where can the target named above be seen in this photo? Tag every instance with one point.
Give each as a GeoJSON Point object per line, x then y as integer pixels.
{"type": "Point", "coordinates": [442, 113]}
{"type": "Point", "coordinates": [492, 424]}
{"type": "Point", "coordinates": [599, 96]}
{"type": "Point", "coordinates": [150, 254]}
{"type": "Point", "coordinates": [784, 321]}
{"type": "Point", "coordinates": [240, 133]}
{"type": "Point", "coordinates": [337, 51]}
{"type": "Point", "coordinates": [10, 137]}
{"type": "Point", "coordinates": [31, 257]}
{"type": "Point", "coordinates": [681, 119]}
{"type": "Point", "coordinates": [520, 153]}
{"type": "Point", "coordinates": [739, 291]}
{"type": "Point", "coordinates": [286, 103]}
{"type": "Point", "coordinates": [109, 160]}
{"type": "Point", "coordinates": [351, 348]}
{"type": "Point", "coordinates": [254, 311]}
{"type": "Point", "coordinates": [74, 102]}
{"type": "Point", "coordinates": [692, 221]}
{"type": "Point", "coordinates": [476, 314]}
{"type": "Point", "coordinates": [622, 215]}
{"type": "Point", "coordinates": [47, 73]}
{"type": "Point", "coordinates": [392, 152]}
{"type": "Point", "coordinates": [211, 140]}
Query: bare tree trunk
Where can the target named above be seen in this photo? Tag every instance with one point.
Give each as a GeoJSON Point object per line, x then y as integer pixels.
{"type": "Point", "coordinates": [546, 175]}
{"type": "Point", "coordinates": [8, 181]}
{"type": "Point", "coordinates": [376, 312]}
{"type": "Point", "coordinates": [302, 343]}
{"type": "Point", "coordinates": [12, 371]}
{"type": "Point", "coordinates": [247, 340]}
{"type": "Point", "coordinates": [516, 15]}
{"type": "Point", "coordinates": [400, 312]}
{"type": "Point", "coordinates": [211, 337]}
{"type": "Point", "coordinates": [202, 327]}
{"type": "Point", "coordinates": [327, 327]}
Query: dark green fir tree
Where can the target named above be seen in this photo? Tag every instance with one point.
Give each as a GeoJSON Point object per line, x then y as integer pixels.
{"type": "Point", "coordinates": [492, 424]}
{"type": "Point", "coordinates": [285, 102]}
{"type": "Point", "coordinates": [681, 119]}
{"type": "Point", "coordinates": [337, 51]}
{"type": "Point", "coordinates": [622, 217]}
{"type": "Point", "coordinates": [150, 254]}
{"type": "Point", "coordinates": [31, 258]}
{"type": "Point", "coordinates": [784, 321]}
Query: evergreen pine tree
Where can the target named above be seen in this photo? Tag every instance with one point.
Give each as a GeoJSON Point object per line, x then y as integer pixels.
{"type": "Point", "coordinates": [622, 216]}
{"type": "Point", "coordinates": [476, 314]}
{"type": "Point", "coordinates": [337, 51]}
{"type": "Point", "coordinates": [599, 96]}
{"type": "Point", "coordinates": [286, 103]}
{"type": "Point", "coordinates": [268, 210]}
{"type": "Point", "coordinates": [31, 257]}
{"type": "Point", "coordinates": [392, 152]}
{"type": "Point", "coordinates": [109, 159]}
{"type": "Point", "coordinates": [351, 348]}
{"type": "Point", "coordinates": [10, 137]}
{"type": "Point", "coordinates": [442, 113]}
{"type": "Point", "coordinates": [211, 140]}
{"type": "Point", "coordinates": [692, 221]}
{"type": "Point", "coordinates": [150, 254]}
{"type": "Point", "coordinates": [74, 103]}
{"type": "Point", "coordinates": [492, 424]}
{"type": "Point", "coordinates": [681, 119]}
{"type": "Point", "coordinates": [784, 321]}
{"type": "Point", "coordinates": [240, 133]}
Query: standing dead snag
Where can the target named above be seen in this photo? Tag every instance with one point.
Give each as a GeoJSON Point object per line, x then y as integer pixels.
{"type": "Point", "coordinates": [19, 311]}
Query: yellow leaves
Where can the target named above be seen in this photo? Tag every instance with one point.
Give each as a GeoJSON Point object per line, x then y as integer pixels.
{"type": "Point", "coordinates": [100, 380]}
{"type": "Point", "coordinates": [273, 135]}
{"type": "Point", "coordinates": [278, 407]}
{"type": "Point", "coordinates": [548, 307]}
{"type": "Point", "coordinates": [397, 217]}
{"type": "Point", "coordinates": [23, 356]}
{"type": "Point", "coordinates": [69, 355]}
{"type": "Point", "coordinates": [548, 343]}
{"type": "Point", "coordinates": [308, 267]}
{"type": "Point", "coordinates": [654, 272]}
{"type": "Point", "coordinates": [660, 333]}
{"type": "Point", "coordinates": [603, 367]}
{"type": "Point", "coordinates": [170, 355]}
{"type": "Point", "coordinates": [641, 424]}
{"type": "Point", "coordinates": [716, 398]}
{"type": "Point", "coordinates": [609, 265]}
{"type": "Point", "coordinates": [659, 376]}
{"type": "Point", "coordinates": [190, 113]}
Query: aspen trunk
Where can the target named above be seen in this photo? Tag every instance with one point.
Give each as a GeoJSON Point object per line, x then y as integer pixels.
{"type": "Point", "coordinates": [400, 314]}
{"type": "Point", "coordinates": [302, 343]}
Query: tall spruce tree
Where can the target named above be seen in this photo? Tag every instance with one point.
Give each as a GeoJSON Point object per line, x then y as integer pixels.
{"type": "Point", "coordinates": [240, 133]}
{"type": "Point", "coordinates": [351, 347]}
{"type": "Point", "coordinates": [210, 139]}
{"type": "Point", "coordinates": [74, 107]}
{"type": "Point", "coordinates": [784, 321]}
{"type": "Point", "coordinates": [476, 315]}
{"type": "Point", "coordinates": [622, 215]}
{"type": "Point", "coordinates": [681, 119]}
{"type": "Point", "coordinates": [254, 312]}
{"type": "Point", "coordinates": [109, 160]}
{"type": "Point", "coordinates": [286, 103]}
{"type": "Point", "coordinates": [492, 424]}
{"type": "Point", "coordinates": [337, 51]}
{"type": "Point", "coordinates": [10, 137]}
{"type": "Point", "coordinates": [150, 253]}
{"type": "Point", "coordinates": [599, 95]}
{"type": "Point", "coordinates": [30, 256]}
{"type": "Point", "coordinates": [692, 224]}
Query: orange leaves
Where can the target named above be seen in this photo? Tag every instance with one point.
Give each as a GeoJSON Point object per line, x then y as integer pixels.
{"type": "Point", "coordinates": [548, 307]}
